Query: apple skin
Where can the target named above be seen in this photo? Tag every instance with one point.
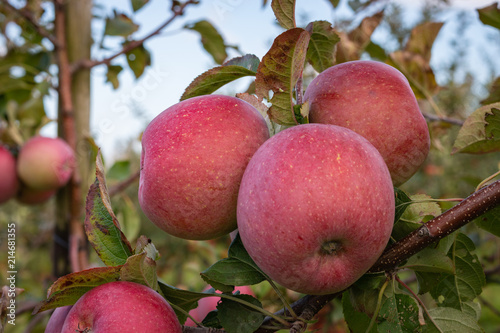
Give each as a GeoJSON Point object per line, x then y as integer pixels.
{"type": "Point", "coordinates": [207, 304]}
{"type": "Point", "coordinates": [316, 208]}
{"type": "Point", "coordinates": [9, 183]}
{"type": "Point", "coordinates": [374, 100]}
{"type": "Point", "coordinates": [57, 319]}
{"type": "Point", "coordinates": [121, 307]}
{"type": "Point", "coordinates": [45, 163]}
{"type": "Point", "coordinates": [193, 157]}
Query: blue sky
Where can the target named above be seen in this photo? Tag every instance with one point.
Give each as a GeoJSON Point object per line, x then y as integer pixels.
{"type": "Point", "coordinates": [119, 116]}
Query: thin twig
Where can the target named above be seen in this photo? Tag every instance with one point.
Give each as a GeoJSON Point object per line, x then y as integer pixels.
{"type": "Point", "coordinates": [452, 121]}
{"type": "Point", "coordinates": [176, 12]}
{"type": "Point", "coordinates": [123, 185]}
{"type": "Point", "coordinates": [28, 16]}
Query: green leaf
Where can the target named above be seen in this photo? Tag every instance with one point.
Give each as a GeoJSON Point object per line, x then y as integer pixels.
{"type": "Point", "coordinates": [430, 260]}
{"type": "Point", "coordinates": [357, 321]}
{"type": "Point", "coordinates": [140, 268]}
{"type": "Point", "coordinates": [138, 4]}
{"type": "Point", "coordinates": [184, 299]}
{"type": "Point", "coordinates": [279, 72]}
{"type": "Point", "coordinates": [120, 25]}
{"type": "Point", "coordinates": [211, 40]}
{"type": "Point", "coordinates": [130, 217]}
{"type": "Point", "coordinates": [453, 290]}
{"type": "Point", "coordinates": [494, 95]}
{"type": "Point", "coordinates": [399, 313]}
{"type": "Point", "coordinates": [69, 288]}
{"type": "Point", "coordinates": [322, 45]}
{"type": "Point", "coordinates": [238, 251]}
{"type": "Point", "coordinates": [138, 59]}
{"type": "Point", "coordinates": [490, 221]}
{"type": "Point", "coordinates": [217, 77]}
{"type": "Point", "coordinates": [112, 75]}
{"type": "Point", "coordinates": [284, 10]}
{"type": "Point", "coordinates": [232, 272]}
{"type": "Point", "coordinates": [119, 171]}
{"type": "Point", "coordinates": [480, 132]}
{"type": "Point", "coordinates": [421, 208]}
{"type": "Point", "coordinates": [102, 226]}
{"type": "Point", "coordinates": [402, 201]}
{"type": "Point", "coordinates": [376, 51]}
{"type": "Point", "coordinates": [490, 15]}
{"type": "Point", "coordinates": [249, 61]}
{"type": "Point", "coordinates": [449, 320]}
{"type": "Point", "coordinates": [238, 318]}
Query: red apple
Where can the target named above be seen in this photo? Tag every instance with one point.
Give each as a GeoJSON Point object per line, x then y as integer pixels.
{"type": "Point", "coordinates": [57, 319]}
{"type": "Point", "coordinates": [316, 207]}
{"type": "Point", "coordinates": [207, 304]}
{"type": "Point", "coordinates": [376, 101]}
{"type": "Point", "coordinates": [121, 307]}
{"type": "Point", "coordinates": [45, 163]}
{"type": "Point", "coordinates": [8, 175]}
{"type": "Point", "coordinates": [193, 157]}
{"type": "Point", "coordinates": [29, 196]}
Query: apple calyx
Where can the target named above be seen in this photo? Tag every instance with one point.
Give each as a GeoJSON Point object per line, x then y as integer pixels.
{"type": "Point", "coordinates": [331, 247]}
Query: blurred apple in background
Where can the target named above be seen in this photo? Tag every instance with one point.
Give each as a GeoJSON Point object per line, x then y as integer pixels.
{"type": "Point", "coordinates": [45, 163]}
{"type": "Point", "coordinates": [207, 304]}
{"type": "Point", "coordinates": [8, 176]}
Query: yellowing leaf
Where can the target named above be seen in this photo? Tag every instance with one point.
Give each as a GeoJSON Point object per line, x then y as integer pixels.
{"type": "Point", "coordinates": [480, 132]}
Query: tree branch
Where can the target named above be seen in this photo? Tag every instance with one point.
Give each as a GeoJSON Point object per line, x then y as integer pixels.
{"type": "Point", "coordinates": [67, 130]}
{"type": "Point", "coordinates": [28, 16]}
{"type": "Point", "coordinates": [123, 185]}
{"type": "Point", "coordinates": [176, 12]}
{"type": "Point", "coordinates": [452, 121]}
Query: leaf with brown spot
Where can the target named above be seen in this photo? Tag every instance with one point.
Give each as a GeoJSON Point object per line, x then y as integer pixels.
{"type": "Point", "coordinates": [69, 288]}
{"type": "Point", "coordinates": [102, 226]}
{"type": "Point", "coordinates": [279, 71]}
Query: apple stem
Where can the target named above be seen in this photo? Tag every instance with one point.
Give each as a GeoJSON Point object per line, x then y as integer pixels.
{"type": "Point", "coordinates": [298, 90]}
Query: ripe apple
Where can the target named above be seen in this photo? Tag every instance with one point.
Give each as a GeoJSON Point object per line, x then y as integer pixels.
{"type": "Point", "coordinates": [8, 175]}
{"type": "Point", "coordinates": [45, 163]}
{"type": "Point", "coordinates": [122, 307]}
{"type": "Point", "coordinates": [376, 101]}
{"type": "Point", "coordinates": [57, 319]}
{"type": "Point", "coordinates": [207, 304]}
{"type": "Point", "coordinates": [193, 157]}
{"type": "Point", "coordinates": [316, 207]}
{"type": "Point", "coordinates": [29, 196]}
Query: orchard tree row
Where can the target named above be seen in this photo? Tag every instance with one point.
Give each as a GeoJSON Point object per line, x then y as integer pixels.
{"type": "Point", "coordinates": [305, 170]}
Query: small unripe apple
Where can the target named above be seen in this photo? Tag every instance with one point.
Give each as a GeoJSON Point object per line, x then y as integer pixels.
{"type": "Point", "coordinates": [374, 100]}
{"type": "Point", "coordinates": [45, 163]}
{"type": "Point", "coordinates": [8, 176]}
{"type": "Point", "coordinates": [57, 319]}
{"type": "Point", "coordinates": [121, 307]}
{"type": "Point", "coordinates": [316, 207]}
{"type": "Point", "coordinates": [207, 304]}
{"type": "Point", "coordinates": [193, 157]}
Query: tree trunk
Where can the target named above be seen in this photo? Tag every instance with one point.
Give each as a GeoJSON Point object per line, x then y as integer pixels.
{"type": "Point", "coordinates": [72, 24]}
